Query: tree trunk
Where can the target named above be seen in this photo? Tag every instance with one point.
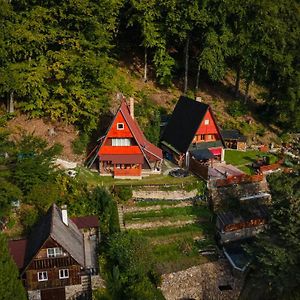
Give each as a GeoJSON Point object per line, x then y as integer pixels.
{"type": "Point", "coordinates": [10, 103]}
{"type": "Point", "coordinates": [248, 83]}
{"type": "Point", "coordinates": [186, 65]}
{"type": "Point", "coordinates": [237, 81]}
{"type": "Point", "coordinates": [145, 64]}
{"type": "Point", "coordinates": [198, 76]}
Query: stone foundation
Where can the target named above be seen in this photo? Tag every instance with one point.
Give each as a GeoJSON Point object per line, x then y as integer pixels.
{"type": "Point", "coordinates": [34, 295]}
{"type": "Point", "coordinates": [71, 290]}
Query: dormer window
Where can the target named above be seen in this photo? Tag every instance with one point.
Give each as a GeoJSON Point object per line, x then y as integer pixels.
{"type": "Point", "coordinates": [54, 252]}
{"type": "Point", "coordinates": [120, 126]}
{"type": "Point", "coordinates": [206, 122]}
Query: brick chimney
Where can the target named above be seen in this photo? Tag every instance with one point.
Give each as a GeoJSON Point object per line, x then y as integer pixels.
{"type": "Point", "coordinates": [64, 215]}
{"type": "Point", "coordinates": [131, 107]}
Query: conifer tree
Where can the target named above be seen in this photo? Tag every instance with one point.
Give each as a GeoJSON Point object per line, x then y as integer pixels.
{"type": "Point", "coordinates": [11, 287]}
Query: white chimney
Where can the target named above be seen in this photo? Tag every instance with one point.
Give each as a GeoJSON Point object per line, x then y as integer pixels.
{"type": "Point", "coordinates": [131, 107]}
{"type": "Point", "coordinates": [64, 215]}
{"type": "Point", "coordinates": [199, 99]}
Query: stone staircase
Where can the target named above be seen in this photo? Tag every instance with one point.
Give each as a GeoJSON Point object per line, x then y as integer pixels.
{"type": "Point", "coordinates": [121, 218]}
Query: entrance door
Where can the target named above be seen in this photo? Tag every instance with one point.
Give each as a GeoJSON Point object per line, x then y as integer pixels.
{"type": "Point", "coordinates": [53, 294]}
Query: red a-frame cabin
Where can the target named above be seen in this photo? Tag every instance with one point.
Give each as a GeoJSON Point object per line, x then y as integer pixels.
{"type": "Point", "coordinates": [125, 152]}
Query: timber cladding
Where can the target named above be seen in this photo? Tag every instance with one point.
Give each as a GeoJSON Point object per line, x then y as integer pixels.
{"type": "Point", "coordinates": [53, 278]}
{"type": "Point", "coordinates": [198, 168]}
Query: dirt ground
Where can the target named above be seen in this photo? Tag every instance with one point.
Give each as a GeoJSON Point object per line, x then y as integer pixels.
{"type": "Point", "coordinates": [52, 132]}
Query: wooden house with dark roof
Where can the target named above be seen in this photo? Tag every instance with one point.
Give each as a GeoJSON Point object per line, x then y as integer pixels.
{"type": "Point", "coordinates": [124, 151]}
{"type": "Point", "coordinates": [192, 132]}
{"type": "Point", "coordinates": [234, 139]}
{"type": "Point", "coordinates": [53, 259]}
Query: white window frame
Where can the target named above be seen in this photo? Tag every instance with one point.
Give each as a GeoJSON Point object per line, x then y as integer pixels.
{"type": "Point", "coordinates": [63, 273]}
{"type": "Point", "coordinates": [56, 252]}
{"type": "Point", "coordinates": [120, 142]}
{"type": "Point", "coordinates": [43, 277]}
{"type": "Point", "coordinates": [206, 122]}
{"type": "Point", "coordinates": [122, 126]}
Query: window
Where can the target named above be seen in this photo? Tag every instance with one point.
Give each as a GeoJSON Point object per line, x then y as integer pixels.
{"type": "Point", "coordinates": [120, 142]}
{"type": "Point", "coordinates": [53, 252]}
{"type": "Point", "coordinates": [120, 126]}
{"type": "Point", "coordinates": [202, 137]}
{"type": "Point", "coordinates": [63, 273]}
{"type": "Point", "coordinates": [42, 276]}
{"type": "Point", "coordinates": [206, 122]}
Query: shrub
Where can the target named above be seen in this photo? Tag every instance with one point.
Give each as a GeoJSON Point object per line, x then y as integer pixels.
{"type": "Point", "coordinates": [124, 193]}
{"type": "Point", "coordinates": [261, 131]}
{"type": "Point", "coordinates": [79, 145]}
{"type": "Point", "coordinates": [131, 261]}
{"type": "Point", "coordinates": [237, 109]}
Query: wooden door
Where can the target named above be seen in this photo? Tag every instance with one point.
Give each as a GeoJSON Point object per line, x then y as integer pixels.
{"type": "Point", "coordinates": [53, 294]}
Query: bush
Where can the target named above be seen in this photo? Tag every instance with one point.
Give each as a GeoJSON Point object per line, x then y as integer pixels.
{"type": "Point", "coordinates": [79, 145]}
{"type": "Point", "coordinates": [237, 109]}
{"type": "Point", "coordinates": [131, 261]}
{"type": "Point", "coordinates": [124, 193]}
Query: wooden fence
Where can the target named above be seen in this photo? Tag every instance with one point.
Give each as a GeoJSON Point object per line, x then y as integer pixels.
{"type": "Point", "coordinates": [243, 178]}
{"type": "Point", "coordinates": [198, 169]}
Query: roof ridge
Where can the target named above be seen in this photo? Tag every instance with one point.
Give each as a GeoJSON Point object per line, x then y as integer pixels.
{"type": "Point", "coordinates": [52, 218]}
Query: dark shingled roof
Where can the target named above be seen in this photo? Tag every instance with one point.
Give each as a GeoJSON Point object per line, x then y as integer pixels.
{"type": "Point", "coordinates": [86, 221]}
{"type": "Point", "coordinates": [201, 154]}
{"type": "Point", "coordinates": [184, 122]}
{"type": "Point", "coordinates": [206, 145]}
{"type": "Point", "coordinates": [51, 225]}
{"type": "Point", "coordinates": [233, 135]}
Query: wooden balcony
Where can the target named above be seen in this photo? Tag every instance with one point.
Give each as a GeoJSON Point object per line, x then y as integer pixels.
{"type": "Point", "coordinates": [127, 172]}
{"type": "Point", "coordinates": [48, 263]}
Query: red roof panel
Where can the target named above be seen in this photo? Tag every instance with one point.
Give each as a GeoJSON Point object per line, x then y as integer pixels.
{"type": "Point", "coordinates": [17, 249]}
{"type": "Point", "coordinates": [86, 222]}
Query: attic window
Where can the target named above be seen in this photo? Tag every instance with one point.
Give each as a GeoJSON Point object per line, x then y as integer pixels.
{"type": "Point", "coordinates": [206, 122]}
{"type": "Point", "coordinates": [53, 252]}
{"type": "Point", "coordinates": [120, 126]}
{"type": "Point", "coordinates": [42, 276]}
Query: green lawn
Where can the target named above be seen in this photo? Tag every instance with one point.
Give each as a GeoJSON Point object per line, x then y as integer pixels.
{"type": "Point", "coordinates": [177, 255]}
{"type": "Point", "coordinates": [244, 159]}
{"type": "Point", "coordinates": [178, 213]}
{"type": "Point", "coordinates": [176, 248]}
{"type": "Point", "coordinates": [157, 202]}
{"type": "Point", "coordinates": [93, 178]}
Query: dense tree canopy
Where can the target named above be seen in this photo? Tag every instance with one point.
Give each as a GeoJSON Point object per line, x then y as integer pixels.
{"type": "Point", "coordinates": [131, 261]}
{"type": "Point", "coordinates": [276, 253]}
{"type": "Point", "coordinates": [55, 56]}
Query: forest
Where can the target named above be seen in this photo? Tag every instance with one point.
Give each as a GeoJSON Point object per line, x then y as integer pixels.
{"type": "Point", "coordinates": [58, 59]}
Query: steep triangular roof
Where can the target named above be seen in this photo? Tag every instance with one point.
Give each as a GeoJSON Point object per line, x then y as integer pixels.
{"type": "Point", "coordinates": [51, 226]}
{"type": "Point", "coordinates": [186, 118]}
{"type": "Point", "coordinates": [150, 151]}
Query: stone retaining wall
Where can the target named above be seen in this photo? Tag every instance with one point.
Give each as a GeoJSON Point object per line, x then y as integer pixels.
{"type": "Point", "coordinates": [164, 195]}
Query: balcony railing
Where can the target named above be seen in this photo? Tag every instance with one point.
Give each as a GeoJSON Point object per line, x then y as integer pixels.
{"type": "Point", "coordinates": [45, 263]}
